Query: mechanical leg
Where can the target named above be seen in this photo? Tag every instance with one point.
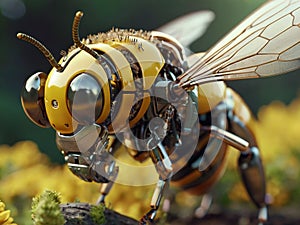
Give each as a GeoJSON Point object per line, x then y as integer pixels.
{"type": "Point", "coordinates": [251, 168]}
{"type": "Point", "coordinates": [161, 186]}
{"type": "Point", "coordinates": [163, 166]}
{"type": "Point", "coordinates": [104, 190]}
{"type": "Point", "coordinates": [252, 173]}
{"type": "Point", "coordinates": [202, 210]}
{"type": "Point", "coordinates": [110, 168]}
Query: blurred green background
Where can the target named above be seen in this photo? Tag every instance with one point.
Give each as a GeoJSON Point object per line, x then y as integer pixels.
{"type": "Point", "coordinates": [50, 22]}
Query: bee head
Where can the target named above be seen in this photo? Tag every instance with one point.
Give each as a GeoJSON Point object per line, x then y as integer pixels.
{"type": "Point", "coordinates": [75, 92]}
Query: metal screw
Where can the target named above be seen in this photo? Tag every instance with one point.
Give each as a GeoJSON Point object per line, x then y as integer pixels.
{"type": "Point", "coordinates": [54, 104]}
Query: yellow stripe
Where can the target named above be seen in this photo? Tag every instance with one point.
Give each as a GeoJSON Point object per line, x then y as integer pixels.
{"type": "Point", "coordinates": [149, 58]}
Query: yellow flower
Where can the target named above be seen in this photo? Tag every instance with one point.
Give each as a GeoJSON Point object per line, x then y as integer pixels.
{"type": "Point", "coordinates": [5, 218]}
{"type": "Point", "coordinates": [32, 173]}
{"type": "Point", "coordinates": [21, 155]}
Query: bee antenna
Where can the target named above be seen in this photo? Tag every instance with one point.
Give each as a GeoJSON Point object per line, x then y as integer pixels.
{"type": "Point", "coordinates": [76, 38]}
{"type": "Point", "coordinates": [42, 48]}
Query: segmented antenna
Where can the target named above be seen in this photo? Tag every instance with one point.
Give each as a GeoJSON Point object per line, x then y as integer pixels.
{"type": "Point", "coordinates": [42, 48]}
{"type": "Point", "coordinates": [76, 38]}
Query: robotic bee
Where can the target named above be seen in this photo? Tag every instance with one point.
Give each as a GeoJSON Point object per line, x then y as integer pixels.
{"type": "Point", "coordinates": [144, 92]}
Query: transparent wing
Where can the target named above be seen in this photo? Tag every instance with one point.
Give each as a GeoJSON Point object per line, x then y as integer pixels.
{"type": "Point", "coordinates": [188, 28]}
{"type": "Point", "coordinates": [266, 43]}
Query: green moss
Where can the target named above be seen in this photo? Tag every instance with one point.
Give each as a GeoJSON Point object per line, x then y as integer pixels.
{"type": "Point", "coordinates": [45, 209]}
{"type": "Point", "coordinates": [97, 214]}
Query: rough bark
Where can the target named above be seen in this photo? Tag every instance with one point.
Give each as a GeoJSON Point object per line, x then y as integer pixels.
{"type": "Point", "coordinates": [79, 214]}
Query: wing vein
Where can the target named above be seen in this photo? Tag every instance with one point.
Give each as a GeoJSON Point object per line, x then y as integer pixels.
{"type": "Point", "coordinates": [257, 47]}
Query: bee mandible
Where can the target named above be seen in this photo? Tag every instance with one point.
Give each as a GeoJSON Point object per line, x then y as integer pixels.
{"type": "Point", "coordinates": [144, 92]}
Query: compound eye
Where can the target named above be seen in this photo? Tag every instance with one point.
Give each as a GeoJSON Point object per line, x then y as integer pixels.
{"type": "Point", "coordinates": [85, 98]}
{"type": "Point", "coordinates": [32, 98]}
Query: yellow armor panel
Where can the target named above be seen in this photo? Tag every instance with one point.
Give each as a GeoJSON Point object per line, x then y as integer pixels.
{"type": "Point", "coordinates": [57, 86]}
{"type": "Point", "coordinates": [122, 65]}
{"type": "Point", "coordinates": [241, 110]}
{"type": "Point", "coordinates": [210, 95]}
{"type": "Point", "coordinates": [148, 56]}
{"type": "Point", "coordinates": [151, 62]}
{"type": "Point", "coordinates": [127, 80]}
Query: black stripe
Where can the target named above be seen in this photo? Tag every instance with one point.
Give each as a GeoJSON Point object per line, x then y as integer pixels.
{"type": "Point", "coordinates": [209, 172]}
{"type": "Point", "coordinates": [137, 73]}
{"type": "Point", "coordinates": [134, 64]}
{"type": "Point", "coordinates": [108, 65]}
{"type": "Point", "coordinates": [187, 169]}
